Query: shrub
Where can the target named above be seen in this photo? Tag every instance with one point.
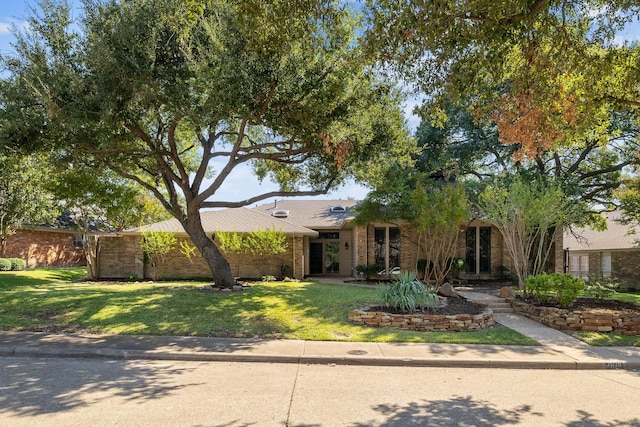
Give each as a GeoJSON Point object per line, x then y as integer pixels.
{"type": "Point", "coordinates": [564, 286]}
{"type": "Point", "coordinates": [5, 264]}
{"type": "Point", "coordinates": [367, 270]}
{"type": "Point", "coordinates": [406, 293]}
{"type": "Point", "coordinates": [539, 287]}
{"type": "Point", "coordinates": [567, 288]}
{"type": "Point", "coordinates": [601, 288]}
{"type": "Point", "coordinates": [17, 264]}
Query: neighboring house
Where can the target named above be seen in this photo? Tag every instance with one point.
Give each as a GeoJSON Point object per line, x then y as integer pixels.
{"type": "Point", "coordinates": [611, 253]}
{"type": "Point", "coordinates": [47, 247]}
{"type": "Point", "coordinates": [322, 240]}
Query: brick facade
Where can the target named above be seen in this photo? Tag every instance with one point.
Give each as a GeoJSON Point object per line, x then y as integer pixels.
{"type": "Point", "coordinates": [45, 248]}
{"type": "Point", "coordinates": [121, 257]}
{"type": "Point", "coordinates": [625, 266]}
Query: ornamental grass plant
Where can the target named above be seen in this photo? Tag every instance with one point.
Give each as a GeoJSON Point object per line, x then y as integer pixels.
{"type": "Point", "coordinates": [407, 294]}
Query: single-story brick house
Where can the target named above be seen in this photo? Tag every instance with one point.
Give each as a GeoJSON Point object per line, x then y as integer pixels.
{"type": "Point", "coordinates": [44, 246]}
{"type": "Point", "coordinates": [611, 253]}
{"type": "Point", "coordinates": [322, 241]}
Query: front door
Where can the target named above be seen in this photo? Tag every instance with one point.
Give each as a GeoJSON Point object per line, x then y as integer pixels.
{"type": "Point", "coordinates": [324, 257]}
{"type": "Point", "coordinates": [315, 258]}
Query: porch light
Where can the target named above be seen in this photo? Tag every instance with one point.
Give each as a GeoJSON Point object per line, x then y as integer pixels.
{"type": "Point", "coordinates": [213, 236]}
{"type": "Point", "coordinates": [346, 245]}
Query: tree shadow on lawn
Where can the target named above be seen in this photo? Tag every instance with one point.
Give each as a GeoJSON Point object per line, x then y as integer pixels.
{"type": "Point", "coordinates": [266, 310]}
{"type": "Point", "coordinates": [11, 279]}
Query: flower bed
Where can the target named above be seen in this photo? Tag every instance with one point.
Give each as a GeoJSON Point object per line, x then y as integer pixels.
{"type": "Point", "coordinates": [624, 320]}
{"type": "Point", "coordinates": [423, 321]}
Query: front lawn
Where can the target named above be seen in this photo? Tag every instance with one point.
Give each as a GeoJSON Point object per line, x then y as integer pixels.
{"type": "Point", "coordinates": [54, 300]}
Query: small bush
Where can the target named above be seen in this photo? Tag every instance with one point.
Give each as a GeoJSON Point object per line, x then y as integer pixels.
{"type": "Point", "coordinates": [407, 294]}
{"type": "Point", "coordinates": [269, 278]}
{"type": "Point", "coordinates": [5, 264]}
{"type": "Point", "coordinates": [539, 287]}
{"type": "Point", "coordinates": [367, 270]}
{"type": "Point", "coordinates": [565, 287]}
{"type": "Point", "coordinates": [601, 288]}
{"type": "Point", "coordinates": [17, 264]}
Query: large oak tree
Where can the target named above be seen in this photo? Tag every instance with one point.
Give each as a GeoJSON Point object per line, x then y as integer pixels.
{"type": "Point", "coordinates": [544, 70]}
{"type": "Point", "coordinates": [160, 91]}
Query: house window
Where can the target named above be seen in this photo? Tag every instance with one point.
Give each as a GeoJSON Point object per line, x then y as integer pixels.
{"type": "Point", "coordinates": [478, 250]}
{"type": "Point", "coordinates": [605, 264]}
{"type": "Point", "coordinates": [579, 265]}
{"type": "Point", "coordinates": [387, 250]}
{"type": "Point", "coordinates": [332, 257]}
{"type": "Point", "coordinates": [79, 240]}
{"type": "Point", "coordinates": [333, 235]}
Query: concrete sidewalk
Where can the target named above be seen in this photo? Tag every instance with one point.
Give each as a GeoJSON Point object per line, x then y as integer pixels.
{"type": "Point", "coordinates": [549, 356]}
{"type": "Point", "coordinates": [557, 350]}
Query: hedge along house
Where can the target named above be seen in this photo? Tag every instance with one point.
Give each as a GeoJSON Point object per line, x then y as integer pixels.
{"type": "Point", "coordinates": [612, 253]}
{"type": "Point", "coordinates": [322, 241]}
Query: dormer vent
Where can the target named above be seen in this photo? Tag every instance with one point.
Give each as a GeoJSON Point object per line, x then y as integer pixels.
{"type": "Point", "coordinates": [280, 213]}
{"type": "Point", "coordinates": [338, 209]}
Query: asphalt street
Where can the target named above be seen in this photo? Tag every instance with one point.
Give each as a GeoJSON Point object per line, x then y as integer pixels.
{"type": "Point", "coordinates": [99, 392]}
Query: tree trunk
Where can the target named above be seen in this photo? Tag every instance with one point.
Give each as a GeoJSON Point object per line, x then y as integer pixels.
{"type": "Point", "coordinates": [217, 263]}
{"type": "Point", "coordinates": [91, 251]}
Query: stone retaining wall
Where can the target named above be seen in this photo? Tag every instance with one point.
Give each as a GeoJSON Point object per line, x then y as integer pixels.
{"type": "Point", "coordinates": [424, 322]}
{"type": "Point", "coordinates": [575, 320]}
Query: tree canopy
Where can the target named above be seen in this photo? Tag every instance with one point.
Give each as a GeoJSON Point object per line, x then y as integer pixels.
{"type": "Point", "coordinates": [176, 95]}
{"type": "Point", "coordinates": [23, 198]}
{"type": "Point", "coordinates": [543, 70]}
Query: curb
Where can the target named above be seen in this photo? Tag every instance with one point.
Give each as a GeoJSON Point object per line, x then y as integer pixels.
{"type": "Point", "coordinates": [122, 354]}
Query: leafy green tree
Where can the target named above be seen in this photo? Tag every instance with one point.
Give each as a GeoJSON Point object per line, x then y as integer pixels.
{"type": "Point", "coordinates": [530, 215]}
{"type": "Point", "coordinates": [590, 169]}
{"type": "Point", "coordinates": [23, 198]}
{"type": "Point", "coordinates": [435, 207]}
{"type": "Point", "coordinates": [629, 200]}
{"type": "Point", "coordinates": [543, 70]}
{"type": "Point", "coordinates": [155, 245]}
{"type": "Point", "coordinates": [177, 95]}
{"type": "Point", "coordinates": [438, 211]}
{"type": "Point", "coordinates": [100, 200]}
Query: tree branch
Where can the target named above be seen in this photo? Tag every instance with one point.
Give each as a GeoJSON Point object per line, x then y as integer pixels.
{"type": "Point", "coordinates": [267, 196]}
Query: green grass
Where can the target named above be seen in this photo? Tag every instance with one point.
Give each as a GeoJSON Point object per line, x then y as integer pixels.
{"type": "Point", "coordinates": [626, 296]}
{"type": "Point", "coordinates": [600, 339]}
{"type": "Point", "coordinates": [55, 300]}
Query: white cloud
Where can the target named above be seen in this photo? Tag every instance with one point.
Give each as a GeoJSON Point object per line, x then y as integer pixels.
{"type": "Point", "coordinates": [5, 28]}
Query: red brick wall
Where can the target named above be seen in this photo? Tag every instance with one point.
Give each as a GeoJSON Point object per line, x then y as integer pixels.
{"type": "Point", "coordinates": [41, 248]}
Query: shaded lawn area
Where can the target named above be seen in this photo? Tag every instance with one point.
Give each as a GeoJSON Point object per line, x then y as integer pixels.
{"type": "Point", "coordinates": [56, 300]}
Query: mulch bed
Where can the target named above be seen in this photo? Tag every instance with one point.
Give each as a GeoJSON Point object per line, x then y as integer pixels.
{"type": "Point", "coordinates": [590, 304]}
{"type": "Point", "coordinates": [453, 306]}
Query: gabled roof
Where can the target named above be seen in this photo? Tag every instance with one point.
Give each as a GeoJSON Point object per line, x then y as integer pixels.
{"type": "Point", "coordinates": [315, 214]}
{"type": "Point", "coordinates": [615, 237]}
{"type": "Point", "coordinates": [241, 220]}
